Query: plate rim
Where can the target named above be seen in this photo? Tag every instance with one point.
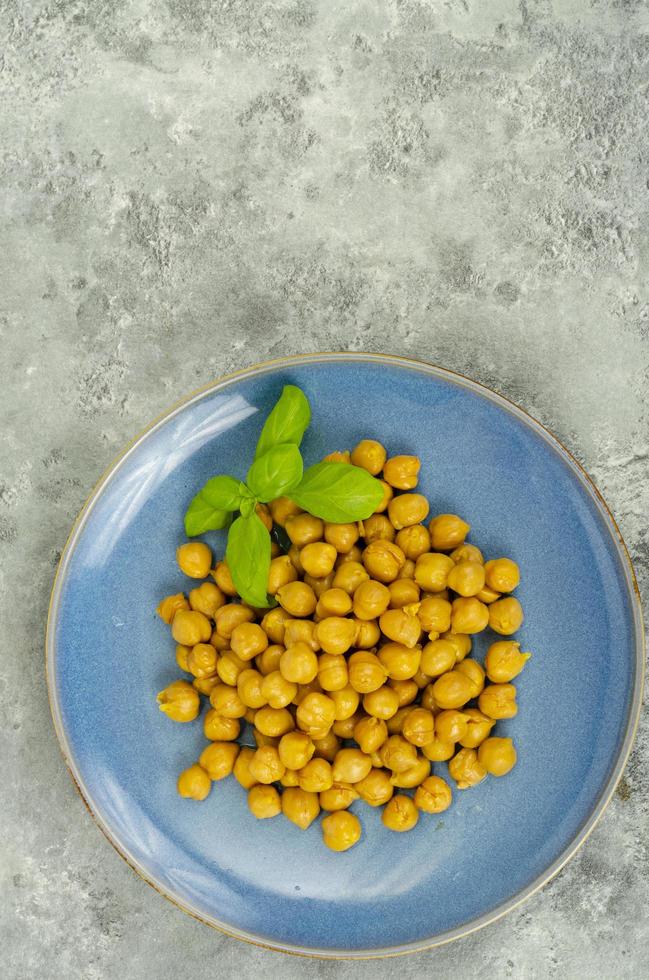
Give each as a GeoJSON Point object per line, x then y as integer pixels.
{"type": "Point", "coordinates": [617, 769]}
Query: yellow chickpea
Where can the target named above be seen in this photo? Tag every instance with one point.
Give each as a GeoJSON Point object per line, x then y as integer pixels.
{"type": "Point", "coordinates": [202, 660]}
{"type": "Point", "coordinates": [182, 653]}
{"type": "Point", "coordinates": [504, 661]}
{"type": "Point", "coordinates": [349, 576]}
{"type": "Point", "coordinates": [334, 602]}
{"type": "Point", "coordinates": [407, 510]}
{"type": "Point", "coordinates": [403, 592]}
{"type": "Point", "coordinates": [274, 722]}
{"type": "Point", "coordinates": [274, 624]}
{"type": "Point", "coordinates": [388, 494]}
{"type": "Point", "coordinates": [299, 664]}
{"type": "Point", "coordinates": [277, 691]}
{"type": "Point", "coordinates": [497, 755]}
{"type": "Point", "coordinates": [220, 644]}
{"type": "Point", "coordinates": [268, 661]}
{"type": "Point", "coordinates": [467, 552]}
{"type": "Point", "coordinates": [318, 559]}
{"type": "Point", "coordinates": [382, 703]}
{"type": "Point", "coordinates": [315, 715]}
{"type": "Point", "coordinates": [466, 578]}
{"type": "Point", "coordinates": [474, 672]}
{"type": "Point", "coordinates": [413, 540]}
{"type": "Point", "coordinates": [434, 795]}
{"type": "Point", "coordinates": [219, 729]}
{"type": "Point", "coordinates": [407, 690]}
{"type": "Point", "coordinates": [218, 758]}
{"type": "Point", "coordinates": [227, 702]}
{"type": "Point", "coordinates": [223, 578]}
{"type": "Point", "coordinates": [179, 701]}
{"type": "Point", "coordinates": [205, 685]}
{"type": "Point", "coordinates": [371, 599]}
{"type": "Point", "coordinates": [461, 643]}
{"type": "Point", "coordinates": [401, 472]}
{"type": "Point", "coordinates": [189, 628]}
{"type": "Point", "coordinates": [428, 700]}
{"type": "Point", "coordinates": [370, 733]}
{"type": "Point", "coordinates": [469, 615]}
{"type": "Point", "coordinates": [241, 770]}
{"type": "Point", "coordinates": [396, 722]}
{"type": "Point", "coordinates": [487, 595]}
{"type": "Point", "coordinates": [316, 776]}
{"type": "Point", "coordinates": [398, 754]}
{"type": "Point", "coordinates": [264, 802]}
{"type": "Point", "coordinates": [229, 667]}
{"type": "Point", "coordinates": [335, 634]}
{"type": "Point", "coordinates": [377, 528]}
{"type": "Point", "coordinates": [451, 725]}
{"type": "Point", "coordinates": [248, 640]}
{"type": "Point", "coordinates": [337, 457]}
{"type": "Point", "coordinates": [400, 814]}
{"type": "Point", "coordinates": [505, 616]}
{"type": "Point", "coordinates": [383, 560]}
{"type": "Point", "coordinates": [438, 751]}
{"type": "Point", "coordinates": [332, 671]}
{"type": "Point", "coordinates": [498, 701]}
{"type": "Point", "coordinates": [370, 455]}
{"type": "Point", "coordinates": [400, 627]}
{"type": "Point", "coordinates": [170, 605]}
{"type": "Point", "coordinates": [354, 554]}
{"type": "Point", "coordinates": [194, 559]}
{"type": "Point", "coordinates": [300, 807]}
{"type": "Point", "coordinates": [419, 727]}
{"type": "Point", "coordinates": [502, 574]}
{"type": "Point", "coordinates": [194, 783]}
{"type": "Point", "coordinates": [351, 765]}
{"type": "Point", "coordinates": [400, 662]}
{"type": "Point", "coordinates": [282, 509]}
{"type": "Point", "coordinates": [266, 766]}
{"type": "Point", "coordinates": [368, 634]}
{"type": "Point", "coordinates": [421, 680]}
{"type": "Point", "coordinates": [290, 778]}
{"type": "Point", "coordinates": [366, 672]}
{"type": "Point", "coordinates": [250, 688]}
{"type": "Point", "coordinates": [303, 689]}
{"type": "Point", "coordinates": [294, 557]}
{"type": "Point", "coordinates": [413, 776]}
{"type": "Point", "coordinates": [447, 531]}
{"type": "Point", "coordinates": [327, 747]}
{"type": "Point", "coordinates": [295, 750]}
{"type": "Point", "coordinates": [342, 536]}
{"type": "Point", "coordinates": [341, 830]}
{"type": "Point", "coordinates": [301, 631]}
{"type": "Point", "coordinates": [304, 529]}
{"type": "Point", "coordinates": [434, 614]}
{"type": "Point", "coordinates": [207, 599]}
{"type": "Point", "coordinates": [346, 701]}
{"type": "Point", "coordinates": [338, 797]}
{"type": "Point", "coordinates": [229, 617]}
{"type": "Point", "coordinates": [297, 598]}
{"type": "Point", "coordinates": [432, 571]}
{"type": "Point", "coordinates": [478, 728]}
{"type": "Point", "coordinates": [261, 739]}
{"type": "Point", "coordinates": [466, 769]}
{"type": "Point", "coordinates": [281, 572]}
{"type": "Point", "coordinates": [437, 658]}
{"type": "Point", "coordinates": [375, 789]}
{"type": "Point", "coordinates": [452, 690]}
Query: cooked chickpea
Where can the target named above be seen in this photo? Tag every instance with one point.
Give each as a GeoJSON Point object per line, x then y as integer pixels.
{"type": "Point", "coordinates": [400, 662]}
{"type": "Point", "coordinates": [194, 783]}
{"type": "Point", "coordinates": [447, 531]}
{"type": "Point", "coordinates": [194, 559]}
{"type": "Point", "coordinates": [366, 672]}
{"type": "Point", "coordinates": [274, 624]}
{"type": "Point", "coordinates": [504, 661]}
{"type": "Point", "coordinates": [370, 455]}
{"type": "Point", "coordinates": [497, 755]}
{"type": "Point", "coordinates": [502, 574]}
{"type": "Point", "coordinates": [335, 634]}
{"type": "Point", "coordinates": [241, 770]}
{"type": "Point", "coordinates": [434, 795]}
{"type": "Point", "coordinates": [268, 661]}
{"type": "Point", "coordinates": [179, 701]}
{"type": "Point", "coordinates": [277, 691]}
{"type": "Point", "coordinates": [355, 553]}
{"type": "Point", "coordinates": [318, 559]}
{"type": "Point", "coordinates": [407, 510]}
{"type": "Point", "coordinates": [434, 614]}
{"type": "Point", "coordinates": [403, 592]}
{"type": "Point", "coordinates": [250, 688]}
{"type": "Point", "coordinates": [498, 701]}
{"type": "Point", "coordinates": [218, 758]}
{"type": "Point", "coordinates": [219, 729]}
{"type": "Point", "coordinates": [229, 617]}
{"type": "Point", "coordinates": [388, 494]}
{"type": "Point", "coordinates": [437, 658]}
{"type": "Point", "coordinates": [261, 739]}
{"type": "Point", "coordinates": [466, 578]}
{"type": "Point", "coordinates": [432, 571]}
{"type": "Point", "coordinates": [227, 702]}
{"type": "Point", "coordinates": [294, 557]}
{"type": "Point", "coordinates": [367, 635]}
{"type": "Point", "coordinates": [370, 734]}
{"type": "Point", "coordinates": [189, 628]}
{"type": "Point", "coordinates": [342, 536]}
{"type": "Point", "coordinates": [398, 754]}
{"type": "Point", "coordinates": [346, 701]}
{"type": "Point", "coordinates": [327, 747]}
{"type": "Point", "coordinates": [315, 715]}
{"type": "Point", "coordinates": [304, 529]}
{"type": "Point", "coordinates": [303, 689]}
{"type": "Point", "coordinates": [414, 539]}
{"type": "Point", "coordinates": [413, 776]}
{"type": "Point", "coordinates": [266, 766]}
{"type": "Point", "coordinates": [421, 679]}
{"type": "Point", "coordinates": [297, 598]}
{"type": "Point", "coordinates": [474, 672]}
{"type": "Point", "coordinates": [281, 572]}
{"type": "Point", "coordinates": [349, 576]}
{"type": "Point", "coordinates": [375, 789]}
{"type": "Point", "coordinates": [334, 602]}
{"type": "Point", "coordinates": [402, 472]}
{"type": "Point", "coordinates": [301, 631]}
{"type": "Point", "coordinates": [300, 807]}
{"type": "Point", "coordinates": [469, 615]}
{"type": "Point", "coordinates": [461, 642]}
{"type": "Point", "coordinates": [466, 769]}
{"type": "Point", "coordinates": [264, 802]}
{"type": "Point", "coordinates": [202, 660]}
{"type": "Point", "coordinates": [316, 776]}
{"type": "Point", "coordinates": [467, 552]}
{"type": "Point", "coordinates": [451, 725]}
{"type": "Point", "coordinates": [371, 599]}
{"type": "Point", "coordinates": [207, 599]}
{"type": "Point", "coordinates": [229, 667]}
{"type": "Point", "coordinates": [383, 560]}
{"type": "Point", "coordinates": [332, 671]}
{"type": "Point", "coordinates": [419, 727]}
{"type": "Point", "coordinates": [478, 728]}
{"type": "Point", "coordinates": [400, 814]}
{"type": "Point", "coordinates": [351, 765]}
{"type": "Point", "coordinates": [290, 778]}
{"type": "Point", "coordinates": [505, 616]}
{"type": "Point", "coordinates": [169, 606]}
{"type": "Point", "coordinates": [382, 703]}
{"type": "Point", "coordinates": [438, 751]}
{"type": "Point", "coordinates": [396, 722]}
{"type": "Point", "coordinates": [452, 690]}
{"type": "Point", "coordinates": [205, 685]}
{"type": "Point", "coordinates": [338, 797]}
{"type": "Point", "coordinates": [223, 578]}
{"type": "Point", "coordinates": [299, 664]}
{"type": "Point", "coordinates": [487, 595]}
{"type": "Point", "coordinates": [428, 700]}
{"type": "Point", "coordinates": [398, 625]}
{"type": "Point", "coordinates": [337, 457]}
{"type": "Point", "coordinates": [248, 640]}
{"type": "Point", "coordinates": [341, 830]}
{"type": "Point", "coordinates": [344, 729]}
{"type": "Point", "coordinates": [274, 722]}
{"type": "Point", "coordinates": [406, 690]}
{"type": "Point", "coordinates": [182, 653]}
{"type": "Point", "coordinates": [282, 509]}
{"type": "Point", "coordinates": [295, 750]}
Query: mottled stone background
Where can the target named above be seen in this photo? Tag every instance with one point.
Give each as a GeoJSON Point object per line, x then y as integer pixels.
{"type": "Point", "coordinates": [190, 186]}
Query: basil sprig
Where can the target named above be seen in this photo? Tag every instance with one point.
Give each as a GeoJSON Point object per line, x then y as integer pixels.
{"type": "Point", "coordinates": [336, 492]}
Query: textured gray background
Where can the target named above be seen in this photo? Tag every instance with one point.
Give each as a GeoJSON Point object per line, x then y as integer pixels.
{"type": "Point", "coordinates": [191, 186]}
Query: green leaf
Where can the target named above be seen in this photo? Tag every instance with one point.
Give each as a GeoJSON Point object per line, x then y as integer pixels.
{"type": "Point", "coordinates": [338, 492]}
{"type": "Point", "coordinates": [248, 558]}
{"type": "Point", "coordinates": [276, 472]}
{"type": "Point", "coordinates": [211, 509]}
{"type": "Point", "coordinates": [223, 492]}
{"type": "Point", "coordinates": [287, 422]}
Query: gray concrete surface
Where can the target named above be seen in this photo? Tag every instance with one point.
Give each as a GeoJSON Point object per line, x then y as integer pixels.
{"type": "Point", "coordinates": [190, 186]}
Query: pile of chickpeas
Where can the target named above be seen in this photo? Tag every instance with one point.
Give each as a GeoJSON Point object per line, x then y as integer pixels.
{"type": "Point", "coordinates": [360, 679]}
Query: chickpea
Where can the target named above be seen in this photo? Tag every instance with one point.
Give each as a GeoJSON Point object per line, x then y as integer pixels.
{"type": "Point", "coordinates": [451, 725]}
{"type": "Point", "coordinates": [428, 700]}
{"type": "Point", "coordinates": [207, 599]}
{"type": "Point", "coordinates": [250, 688]}
{"type": "Point", "coordinates": [218, 758]}
{"type": "Point", "coordinates": [401, 472]}
{"type": "Point", "coordinates": [205, 685]}
{"type": "Point", "coordinates": [277, 691]}
{"type": "Point", "coordinates": [351, 765]}
{"type": "Point", "coordinates": [367, 635]}
{"type": "Point", "coordinates": [434, 614]}
{"type": "Point", "coordinates": [382, 703]}
{"type": "Point", "coordinates": [299, 664]}
{"type": "Point", "coordinates": [383, 560]}
{"type": "Point", "coordinates": [274, 722]}
{"type": "Point", "coordinates": [179, 701]}
{"type": "Point", "coordinates": [248, 640]}
{"type": "Point", "coordinates": [438, 751]}
{"type": "Point", "coordinates": [388, 494]}
{"type": "Point", "coordinates": [377, 528]}
{"type": "Point", "coordinates": [466, 769]}
{"type": "Point", "coordinates": [295, 750]}
{"type": "Point", "coordinates": [304, 529]}
{"type": "Point", "coordinates": [344, 729]}
{"type": "Point", "coordinates": [396, 722]}
{"type": "Point", "coordinates": [202, 660]}
{"type": "Point", "coordinates": [229, 617]}
{"type": "Point", "coordinates": [282, 509]}
{"type": "Point", "coordinates": [313, 687]}
{"type": "Point", "coordinates": [194, 783]}
{"type": "Point", "coordinates": [336, 634]}
{"type": "Point", "coordinates": [281, 572]}
{"type": "Point", "coordinates": [419, 727]}
{"type": "Point", "coordinates": [371, 599]}
{"type": "Point", "coordinates": [182, 653]}
{"type": "Point", "coordinates": [452, 690]}
{"type": "Point", "coordinates": [338, 797]}
{"type": "Point", "coordinates": [413, 776]}
{"type": "Point", "coordinates": [414, 539]}
{"type": "Point", "coordinates": [400, 662]}
{"type": "Point", "coordinates": [315, 715]}
{"type": "Point", "coordinates": [498, 701]}
{"type": "Point", "coordinates": [334, 602]}
{"type": "Point", "coordinates": [487, 595]}
{"type": "Point", "coordinates": [189, 628]}
{"type": "Point", "coordinates": [274, 624]}
{"type": "Point", "coordinates": [398, 754]}
{"type": "Point", "coordinates": [447, 531]}
{"type": "Point", "coordinates": [504, 661]}
{"type": "Point", "coordinates": [505, 616]}
{"type": "Point", "coordinates": [268, 661]}
{"type": "Point", "coordinates": [497, 755]}
{"type": "Point", "coordinates": [266, 766]}
{"type": "Point", "coordinates": [406, 690]}
{"type": "Point", "coordinates": [466, 578]}
{"type": "Point", "coordinates": [461, 642]}
{"type": "Point", "coordinates": [332, 671]}
{"type": "Point", "coordinates": [478, 728]}
{"type": "Point", "coordinates": [438, 657]}
{"type": "Point", "coordinates": [301, 631]}
{"type": "Point", "coordinates": [223, 578]}
{"type": "Point", "coordinates": [297, 598]}
{"type": "Point", "coordinates": [403, 592]}
{"type": "Point", "coordinates": [194, 559]}
{"type": "Point", "coordinates": [227, 702]}
{"type": "Point", "coordinates": [337, 457]}
{"type": "Point", "coordinates": [241, 770]}
{"type": "Point", "coordinates": [469, 615]}
{"type": "Point", "coordinates": [219, 729]}
{"type": "Point", "coordinates": [294, 558]}
{"type": "Point", "coordinates": [401, 627]}
{"type": "Point", "coordinates": [169, 606]}
{"type": "Point", "coordinates": [300, 807]}
{"type": "Point", "coordinates": [467, 552]}
{"type": "Point", "coordinates": [229, 667]}
{"type": "Point", "coordinates": [327, 747]}
{"type": "Point", "coordinates": [370, 733]}
{"type": "Point", "coordinates": [375, 788]}
{"type": "Point", "coordinates": [341, 830]}
{"type": "Point", "coordinates": [261, 739]}
{"type": "Point", "coordinates": [290, 778]}
{"type": "Point", "coordinates": [220, 644]}
{"type": "Point", "coordinates": [366, 672]}
{"type": "Point", "coordinates": [354, 554]}
{"type": "Point", "coordinates": [349, 576]}
{"type": "Point", "coordinates": [407, 510]}
{"type": "Point", "coordinates": [369, 455]}
{"type": "Point", "coordinates": [264, 802]}
{"type": "Point", "coordinates": [432, 571]}
{"type": "Point", "coordinates": [434, 795]}
{"type": "Point", "coordinates": [475, 673]}
{"type": "Point", "coordinates": [318, 559]}
{"type": "Point", "coordinates": [408, 570]}
{"type": "Point", "coordinates": [346, 701]}
{"type": "Point", "coordinates": [400, 814]}
{"type": "Point", "coordinates": [502, 574]}
{"type": "Point", "coordinates": [342, 536]}
{"type": "Point", "coordinates": [316, 776]}
{"type": "Point", "coordinates": [421, 680]}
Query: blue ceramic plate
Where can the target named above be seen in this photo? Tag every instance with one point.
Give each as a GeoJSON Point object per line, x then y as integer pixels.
{"type": "Point", "coordinates": [268, 882]}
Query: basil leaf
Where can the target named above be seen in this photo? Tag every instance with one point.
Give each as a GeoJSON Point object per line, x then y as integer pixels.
{"type": "Point", "coordinates": [276, 472]}
{"type": "Point", "coordinates": [248, 558]}
{"type": "Point", "coordinates": [338, 492]}
{"type": "Point", "coordinates": [201, 517]}
{"type": "Point", "coordinates": [287, 422]}
{"type": "Point", "coordinates": [222, 492]}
